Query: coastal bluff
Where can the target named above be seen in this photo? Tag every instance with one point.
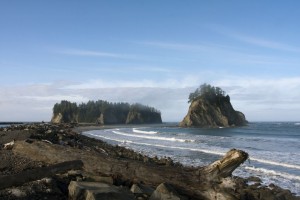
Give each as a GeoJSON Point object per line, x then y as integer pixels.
{"type": "Point", "coordinates": [105, 113]}
{"type": "Point", "coordinates": [211, 108]}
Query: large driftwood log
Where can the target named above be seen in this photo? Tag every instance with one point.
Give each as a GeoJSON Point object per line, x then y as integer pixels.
{"type": "Point", "coordinates": [224, 167]}
{"type": "Point", "coordinates": [38, 173]}
{"type": "Point", "coordinates": [196, 182]}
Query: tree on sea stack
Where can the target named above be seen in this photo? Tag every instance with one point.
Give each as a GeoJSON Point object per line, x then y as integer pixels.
{"type": "Point", "coordinates": [206, 91]}
{"type": "Point", "coordinates": [211, 108]}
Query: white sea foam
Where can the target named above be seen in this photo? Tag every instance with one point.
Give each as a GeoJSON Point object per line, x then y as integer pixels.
{"type": "Point", "coordinates": [273, 173]}
{"type": "Point", "coordinates": [276, 163]}
{"type": "Point", "coordinates": [107, 138]}
{"type": "Point", "coordinates": [297, 124]}
{"type": "Point", "coordinates": [270, 162]}
{"type": "Point", "coordinates": [135, 130]}
{"type": "Point", "coordinates": [159, 145]}
{"type": "Point", "coordinates": [152, 137]}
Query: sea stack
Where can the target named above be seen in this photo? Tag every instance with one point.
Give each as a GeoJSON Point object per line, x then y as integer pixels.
{"type": "Point", "coordinates": [104, 113]}
{"type": "Point", "coordinates": [211, 108]}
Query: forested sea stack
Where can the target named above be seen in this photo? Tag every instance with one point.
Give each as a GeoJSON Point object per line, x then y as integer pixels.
{"type": "Point", "coordinates": [103, 112]}
{"type": "Point", "coordinates": [211, 108]}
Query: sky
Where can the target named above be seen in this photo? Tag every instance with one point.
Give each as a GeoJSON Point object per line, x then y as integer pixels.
{"type": "Point", "coordinates": [150, 52]}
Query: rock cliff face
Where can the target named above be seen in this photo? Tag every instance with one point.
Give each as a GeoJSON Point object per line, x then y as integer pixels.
{"type": "Point", "coordinates": [64, 118]}
{"type": "Point", "coordinates": [213, 113]}
{"type": "Point", "coordinates": [56, 119]}
{"type": "Point", "coordinates": [135, 117]}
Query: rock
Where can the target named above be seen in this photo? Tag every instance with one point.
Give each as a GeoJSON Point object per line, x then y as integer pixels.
{"type": "Point", "coordinates": [56, 119]}
{"type": "Point", "coordinates": [17, 192]}
{"type": "Point", "coordinates": [136, 189]}
{"type": "Point", "coordinates": [9, 146]}
{"type": "Point", "coordinates": [165, 191]}
{"type": "Point", "coordinates": [124, 113]}
{"type": "Point", "coordinates": [140, 117]}
{"type": "Point", "coordinates": [218, 113]}
{"type": "Point", "coordinates": [142, 189]}
{"type": "Point", "coordinates": [254, 179]}
{"type": "Point", "coordinates": [48, 131]}
{"type": "Point", "coordinates": [94, 191]}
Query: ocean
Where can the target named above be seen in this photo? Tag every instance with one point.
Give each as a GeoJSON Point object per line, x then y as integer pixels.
{"type": "Point", "coordinates": [4, 125]}
{"type": "Point", "coordinates": [274, 147]}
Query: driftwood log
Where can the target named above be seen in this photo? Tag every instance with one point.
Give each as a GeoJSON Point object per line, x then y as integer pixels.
{"type": "Point", "coordinates": [200, 183]}
{"type": "Point", "coordinates": [38, 173]}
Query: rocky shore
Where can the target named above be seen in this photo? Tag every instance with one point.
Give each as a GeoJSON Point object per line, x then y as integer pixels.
{"type": "Point", "coordinates": [45, 161]}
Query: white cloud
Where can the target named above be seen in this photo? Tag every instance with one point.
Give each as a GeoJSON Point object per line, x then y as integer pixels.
{"type": "Point", "coordinates": [187, 81]}
{"type": "Point", "coordinates": [259, 99]}
{"type": "Point", "coordinates": [265, 99]}
{"type": "Point", "coordinates": [81, 52]}
{"type": "Point", "coordinates": [262, 42]}
{"type": "Point", "coordinates": [74, 98]}
{"type": "Point", "coordinates": [176, 46]}
{"type": "Point", "coordinates": [265, 43]}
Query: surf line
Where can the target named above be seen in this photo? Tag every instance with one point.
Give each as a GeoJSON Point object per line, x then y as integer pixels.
{"type": "Point", "coordinates": [199, 150]}
{"type": "Point", "coordinates": [135, 130]}
{"type": "Point", "coordinates": [275, 163]}
{"type": "Point", "coordinates": [274, 173]}
{"type": "Point", "coordinates": [158, 145]}
{"type": "Point", "coordinates": [152, 137]}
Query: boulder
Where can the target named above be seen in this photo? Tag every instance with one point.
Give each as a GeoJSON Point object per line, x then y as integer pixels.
{"type": "Point", "coordinates": [141, 189]}
{"type": "Point", "coordinates": [165, 192]}
{"type": "Point", "coordinates": [95, 191]}
{"type": "Point", "coordinates": [135, 189]}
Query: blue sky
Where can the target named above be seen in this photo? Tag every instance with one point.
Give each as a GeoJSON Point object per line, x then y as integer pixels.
{"type": "Point", "coordinates": [152, 52]}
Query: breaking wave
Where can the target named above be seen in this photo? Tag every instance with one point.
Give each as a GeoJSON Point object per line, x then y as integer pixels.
{"type": "Point", "coordinates": [152, 137]}
{"type": "Point", "coordinates": [273, 173]}
{"type": "Point", "coordinates": [135, 130]}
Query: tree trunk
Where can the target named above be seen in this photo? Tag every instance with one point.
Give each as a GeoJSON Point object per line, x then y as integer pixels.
{"type": "Point", "coordinates": [196, 182]}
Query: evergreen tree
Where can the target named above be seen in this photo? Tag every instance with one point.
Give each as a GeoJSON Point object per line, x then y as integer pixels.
{"type": "Point", "coordinates": [208, 92]}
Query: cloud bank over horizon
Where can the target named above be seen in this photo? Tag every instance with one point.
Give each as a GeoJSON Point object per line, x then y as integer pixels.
{"type": "Point", "coordinates": [259, 99]}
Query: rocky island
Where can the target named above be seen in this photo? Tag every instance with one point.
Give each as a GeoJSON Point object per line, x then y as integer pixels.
{"type": "Point", "coordinates": [211, 108]}
{"type": "Point", "coordinates": [103, 113]}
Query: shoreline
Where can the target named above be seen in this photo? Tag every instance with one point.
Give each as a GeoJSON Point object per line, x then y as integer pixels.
{"type": "Point", "coordinates": [69, 137]}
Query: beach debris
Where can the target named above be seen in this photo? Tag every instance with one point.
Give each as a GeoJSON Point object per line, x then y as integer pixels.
{"type": "Point", "coordinates": [96, 190]}
{"type": "Point", "coordinates": [47, 141]}
{"type": "Point", "coordinates": [9, 146]}
{"type": "Point", "coordinates": [165, 191]}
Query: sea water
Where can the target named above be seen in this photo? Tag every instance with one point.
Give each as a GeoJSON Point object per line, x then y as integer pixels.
{"type": "Point", "coordinates": [4, 125]}
{"type": "Point", "coordinates": [273, 147]}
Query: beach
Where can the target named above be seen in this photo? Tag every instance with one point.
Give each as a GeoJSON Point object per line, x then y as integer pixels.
{"type": "Point", "coordinates": [38, 146]}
